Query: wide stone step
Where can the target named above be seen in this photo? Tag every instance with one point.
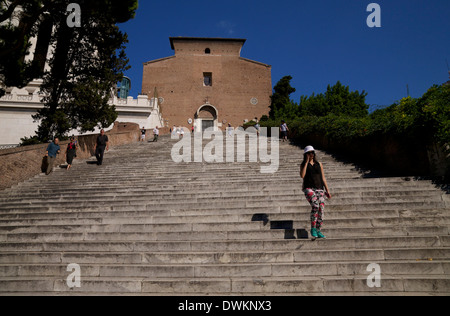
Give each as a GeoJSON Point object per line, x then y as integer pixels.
{"type": "Point", "coordinates": [233, 245]}
{"type": "Point", "coordinates": [234, 170]}
{"type": "Point", "coordinates": [258, 181]}
{"type": "Point", "coordinates": [213, 180]}
{"type": "Point", "coordinates": [369, 203]}
{"type": "Point", "coordinates": [401, 268]}
{"type": "Point", "coordinates": [223, 215]}
{"type": "Point", "coordinates": [257, 209]}
{"type": "Point", "coordinates": [200, 194]}
{"type": "Point", "coordinates": [247, 234]}
{"type": "Point", "coordinates": [174, 195]}
{"type": "Point", "coordinates": [191, 223]}
{"type": "Point", "coordinates": [163, 197]}
{"type": "Point", "coordinates": [233, 286]}
{"type": "Point", "coordinates": [422, 255]}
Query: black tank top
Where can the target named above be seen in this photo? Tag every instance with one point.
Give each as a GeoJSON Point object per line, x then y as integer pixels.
{"type": "Point", "coordinates": [313, 178]}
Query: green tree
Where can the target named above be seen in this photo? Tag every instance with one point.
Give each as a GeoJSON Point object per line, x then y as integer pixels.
{"type": "Point", "coordinates": [434, 114]}
{"type": "Point", "coordinates": [87, 61]}
{"type": "Point", "coordinates": [14, 42]}
{"type": "Point", "coordinates": [337, 100]}
{"type": "Point", "coordinates": [282, 106]}
{"type": "Point", "coordinates": [315, 105]}
{"type": "Point", "coordinates": [427, 118]}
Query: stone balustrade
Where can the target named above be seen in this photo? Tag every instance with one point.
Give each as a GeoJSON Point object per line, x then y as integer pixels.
{"type": "Point", "coordinates": [18, 106]}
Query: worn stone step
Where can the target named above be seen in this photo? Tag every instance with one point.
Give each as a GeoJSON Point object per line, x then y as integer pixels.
{"type": "Point", "coordinates": [205, 210]}
{"type": "Point", "coordinates": [225, 215]}
{"type": "Point", "coordinates": [422, 255]}
{"type": "Point", "coordinates": [215, 183]}
{"type": "Point", "coordinates": [233, 286]}
{"type": "Point", "coordinates": [243, 196]}
{"type": "Point", "coordinates": [233, 245]}
{"type": "Point", "coordinates": [369, 203]}
{"type": "Point", "coordinates": [231, 215]}
{"type": "Point", "coordinates": [374, 255]}
{"type": "Point", "coordinates": [191, 224]}
{"type": "Point", "coordinates": [199, 195]}
{"type": "Point", "coordinates": [172, 188]}
{"type": "Point", "coordinates": [399, 268]}
{"type": "Point", "coordinates": [174, 195]}
{"type": "Point", "coordinates": [249, 234]}
{"type": "Point", "coordinates": [339, 284]}
{"type": "Point", "coordinates": [192, 171]}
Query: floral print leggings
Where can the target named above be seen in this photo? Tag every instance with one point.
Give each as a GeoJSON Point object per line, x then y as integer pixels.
{"type": "Point", "coordinates": [317, 200]}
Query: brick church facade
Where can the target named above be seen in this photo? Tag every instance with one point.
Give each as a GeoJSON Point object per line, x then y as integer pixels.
{"type": "Point", "coordinates": [208, 84]}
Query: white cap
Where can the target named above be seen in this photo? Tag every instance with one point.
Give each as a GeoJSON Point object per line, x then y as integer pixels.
{"type": "Point", "coordinates": [309, 149]}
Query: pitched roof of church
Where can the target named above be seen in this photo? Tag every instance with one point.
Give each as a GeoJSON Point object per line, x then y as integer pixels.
{"type": "Point", "coordinates": [206, 39]}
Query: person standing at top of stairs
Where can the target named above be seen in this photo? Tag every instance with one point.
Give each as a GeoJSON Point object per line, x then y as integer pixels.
{"type": "Point", "coordinates": [315, 188]}
{"type": "Point", "coordinates": [284, 129]}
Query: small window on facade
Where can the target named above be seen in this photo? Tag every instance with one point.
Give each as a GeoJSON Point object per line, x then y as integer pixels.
{"type": "Point", "coordinates": [207, 79]}
{"type": "Point", "coordinates": [207, 51]}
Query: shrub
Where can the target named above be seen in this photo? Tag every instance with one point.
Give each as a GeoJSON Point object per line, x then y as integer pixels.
{"type": "Point", "coordinates": [426, 119]}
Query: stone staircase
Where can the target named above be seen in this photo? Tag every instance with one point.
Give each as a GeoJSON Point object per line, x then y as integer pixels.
{"type": "Point", "coordinates": [142, 224]}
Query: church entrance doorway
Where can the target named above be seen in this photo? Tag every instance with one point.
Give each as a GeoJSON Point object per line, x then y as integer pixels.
{"type": "Point", "coordinates": [207, 124]}
{"type": "Point", "coordinates": [206, 117]}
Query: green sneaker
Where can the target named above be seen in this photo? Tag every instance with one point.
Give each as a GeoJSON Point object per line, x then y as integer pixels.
{"type": "Point", "coordinates": [320, 235]}
{"type": "Point", "coordinates": [314, 233]}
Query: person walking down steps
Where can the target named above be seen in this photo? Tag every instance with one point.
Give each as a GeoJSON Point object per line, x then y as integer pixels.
{"type": "Point", "coordinates": [315, 188]}
{"type": "Point", "coordinates": [71, 152]}
{"type": "Point", "coordinates": [143, 134]}
{"type": "Point", "coordinates": [53, 150]}
{"type": "Point", "coordinates": [155, 134]}
{"type": "Point", "coordinates": [100, 146]}
{"type": "Point", "coordinates": [284, 129]}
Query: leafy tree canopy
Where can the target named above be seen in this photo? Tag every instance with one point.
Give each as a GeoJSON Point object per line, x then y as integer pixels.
{"type": "Point", "coordinates": [86, 63]}
{"type": "Point", "coordinates": [337, 100]}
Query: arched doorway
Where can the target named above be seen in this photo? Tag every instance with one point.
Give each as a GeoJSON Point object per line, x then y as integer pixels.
{"type": "Point", "coordinates": [206, 117]}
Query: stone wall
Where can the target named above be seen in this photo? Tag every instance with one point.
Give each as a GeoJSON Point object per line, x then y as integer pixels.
{"type": "Point", "coordinates": [20, 164]}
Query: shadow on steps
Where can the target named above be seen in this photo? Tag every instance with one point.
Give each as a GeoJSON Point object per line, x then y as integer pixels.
{"type": "Point", "coordinates": [288, 226]}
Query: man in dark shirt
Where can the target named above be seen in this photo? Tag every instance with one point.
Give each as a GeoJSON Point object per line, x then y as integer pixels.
{"type": "Point", "coordinates": [100, 146]}
{"type": "Point", "coordinates": [143, 134]}
{"type": "Point", "coordinates": [52, 150]}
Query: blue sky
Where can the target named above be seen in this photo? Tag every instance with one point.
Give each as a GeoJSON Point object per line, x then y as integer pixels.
{"type": "Point", "coordinates": [317, 42]}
